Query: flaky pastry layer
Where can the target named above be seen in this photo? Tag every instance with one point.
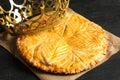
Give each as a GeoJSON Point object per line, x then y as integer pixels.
{"type": "Point", "coordinates": [70, 47]}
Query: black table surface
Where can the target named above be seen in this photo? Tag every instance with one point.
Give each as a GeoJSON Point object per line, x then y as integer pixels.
{"type": "Point", "coordinates": [103, 12]}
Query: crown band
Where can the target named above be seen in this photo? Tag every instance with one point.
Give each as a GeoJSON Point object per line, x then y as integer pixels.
{"type": "Point", "coordinates": [48, 12]}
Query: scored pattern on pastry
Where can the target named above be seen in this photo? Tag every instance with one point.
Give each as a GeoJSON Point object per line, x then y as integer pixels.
{"type": "Point", "coordinates": [70, 47]}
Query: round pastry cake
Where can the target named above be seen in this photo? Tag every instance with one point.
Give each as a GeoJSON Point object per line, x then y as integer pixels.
{"type": "Point", "coordinates": [69, 47]}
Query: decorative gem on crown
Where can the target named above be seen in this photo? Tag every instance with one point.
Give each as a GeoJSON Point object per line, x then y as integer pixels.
{"type": "Point", "coordinates": [31, 15]}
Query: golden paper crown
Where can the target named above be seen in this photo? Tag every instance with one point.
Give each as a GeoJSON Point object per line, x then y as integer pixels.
{"type": "Point", "coordinates": [32, 15]}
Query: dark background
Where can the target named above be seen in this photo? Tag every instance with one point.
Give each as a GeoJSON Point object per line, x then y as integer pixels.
{"type": "Point", "coordinates": [103, 12]}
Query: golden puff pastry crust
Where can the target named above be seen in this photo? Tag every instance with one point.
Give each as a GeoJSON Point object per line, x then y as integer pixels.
{"type": "Point", "coordinates": [70, 47]}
